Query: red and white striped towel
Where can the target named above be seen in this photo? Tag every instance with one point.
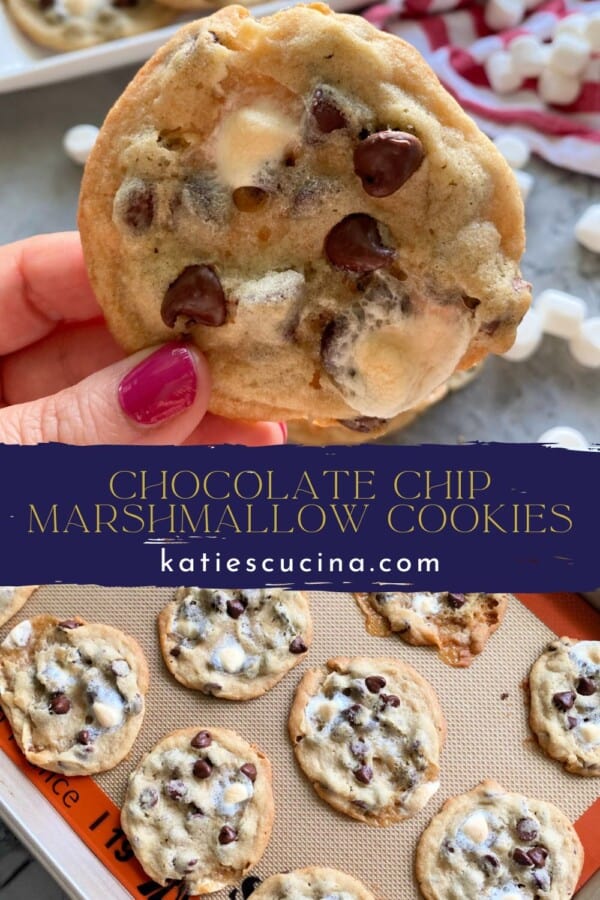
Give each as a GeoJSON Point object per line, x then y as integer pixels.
{"type": "Point", "coordinates": [453, 37]}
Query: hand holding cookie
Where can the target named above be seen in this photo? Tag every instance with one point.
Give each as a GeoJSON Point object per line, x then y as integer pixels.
{"type": "Point", "coordinates": [63, 378]}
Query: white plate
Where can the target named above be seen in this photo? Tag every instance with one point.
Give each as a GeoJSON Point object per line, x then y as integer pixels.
{"type": "Point", "coordinates": [23, 64]}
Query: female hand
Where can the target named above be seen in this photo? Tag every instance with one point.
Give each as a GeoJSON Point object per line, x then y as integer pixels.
{"type": "Point", "coordinates": [63, 378]}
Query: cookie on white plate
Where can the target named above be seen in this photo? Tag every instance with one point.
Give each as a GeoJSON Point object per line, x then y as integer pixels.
{"type": "Point", "coordinates": [73, 692]}
{"type": "Point", "coordinates": [492, 844]}
{"type": "Point", "coordinates": [199, 809]}
{"type": "Point", "coordinates": [368, 735]}
{"type": "Point", "coordinates": [12, 599]}
{"type": "Point", "coordinates": [459, 625]}
{"type": "Point", "coordinates": [564, 697]}
{"type": "Point", "coordinates": [234, 644]}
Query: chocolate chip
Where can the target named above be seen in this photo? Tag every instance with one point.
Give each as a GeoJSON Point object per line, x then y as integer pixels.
{"type": "Point", "coordinates": [470, 302]}
{"type": "Point", "coordinates": [352, 713]}
{"type": "Point", "coordinates": [84, 737]}
{"type": "Point", "coordinates": [202, 768]}
{"type": "Point", "coordinates": [211, 687]}
{"type": "Point", "coordinates": [527, 829]}
{"type": "Point", "coordinates": [124, 4]}
{"type": "Point", "coordinates": [249, 770]}
{"type": "Point", "coordinates": [326, 114]}
{"type": "Point", "coordinates": [138, 209]}
{"type": "Point", "coordinates": [490, 863]}
{"type": "Point", "coordinates": [148, 798]}
{"type": "Point", "coordinates": [235, 608]}
{"type": "Point", "coordinates": [298, 646]}
{"type": "Point", "coordinates": [585, 687]}
{"type": "Point", "coordinates": [364, 774]}
{"type": "Point", "coordinates": [176, 790]}
{"type": "Point", "coordinates": [538, 857]}
{"type": "Point", "coordinates": [135, 705]}
{"type": "Point", "coordinates": [355, 244]}
{"type": "Point", "coordinates": [194, 812]}
{"type": "Point", "coordinates": [390, 700]}
{"type": "Point", "coordinates": [564, 700]}
{"type": "Point", "coordinates": [45, 4]}
{"type": "Point", "coordinates": [455, 600]}
{"type": "Point", "coordinates": [60, 704]}
{"type": "Point", "coordinates": [227, 835]}
{"type": "Point", "coordinates": [363, 424]}
{"type": "Point", "coordinates": [197, 295]}
{"type": "Point", "coordinates": [120, 668]}
{"type": "Point", "coordinates": [521, 857]}
{"type": "Point", "coordinates": [375, 683]}
{"type": "Point", "coordinates": [572, 722]}
{"type": "Point", "coordinates": [69, 624]}
{"type": "Point", "coordinates": [249, 199]}
{"type": "Point", "coordinates": [386, 160]}
{"type": "Point", "coordinates": [176, 651]}
{"type": "Point", "coordinates": [201, 740]}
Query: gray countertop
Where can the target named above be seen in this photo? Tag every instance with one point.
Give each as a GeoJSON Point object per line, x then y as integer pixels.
{"type": "Point", "coordinates": [507, 402]}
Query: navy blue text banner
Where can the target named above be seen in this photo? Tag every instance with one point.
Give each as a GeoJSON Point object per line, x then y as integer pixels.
{"type": "Point", "coordinates": [484, 517]}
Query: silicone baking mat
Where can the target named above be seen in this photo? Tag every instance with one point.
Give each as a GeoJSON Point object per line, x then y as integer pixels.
{"type": "Point", "coordinates": [487, 737]}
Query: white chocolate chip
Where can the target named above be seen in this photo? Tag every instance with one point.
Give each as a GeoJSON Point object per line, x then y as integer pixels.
{"type": "Point", "coordinates": [476, 828]}
{"type": "Point", "coordinates": [248, 139]}
{"type": "Point", "coordinates": [19, 636]}
{"type": "Point", "coordinates": [589, 732]}
{"type": "Point", "coordinates": [107, 715]}
{"type": "Point", "coordinates": [235, 793]}
{"type": "Point", "coordinates": [232, 658]}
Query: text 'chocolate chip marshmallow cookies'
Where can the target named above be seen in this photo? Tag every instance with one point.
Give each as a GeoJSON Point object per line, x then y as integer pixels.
{"type": "Point", "coordinates": [301, 197]}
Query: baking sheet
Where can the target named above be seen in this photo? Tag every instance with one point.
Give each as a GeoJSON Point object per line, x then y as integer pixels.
{"type": "Point", "coordinates": [487, 735]}
{"type": "Point", "coordinates": [24, 64]}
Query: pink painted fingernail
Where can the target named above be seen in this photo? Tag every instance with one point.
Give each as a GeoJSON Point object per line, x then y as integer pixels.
{"type": "Point", "coordinates": [161, 386]}
{"type": "Point", "coordinates": [284, 429]}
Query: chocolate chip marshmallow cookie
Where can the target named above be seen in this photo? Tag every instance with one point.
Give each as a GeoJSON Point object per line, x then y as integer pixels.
{"type": "Point", "coordinates": [564, 689]}
{"type": "Point", "coordinates": [73, 693]}
{"type": "Point", "coordinates": [12, 599]}
{"type": "Point", "coordinates": [313, 883]}
{"type": "Point", "coordinates": [76, 24]}
{"type": "Point", "coordinates": [234, 644]}
{"type": "Point", "coordinates": [459, 625]}
{"type": "Point", "coordinates": [302, 198]}
{"type": "Point", "coordinates": [491, 844]}
{"type": "Point", "coordinates": [199, 809]}
{"type": "Point", "coordinates": [368, 734]}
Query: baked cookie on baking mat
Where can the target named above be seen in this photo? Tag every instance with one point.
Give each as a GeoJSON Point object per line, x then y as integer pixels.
{"type": "Point", "coordinates": [234, 644]}
{"type": "Point", "coordinates": [564, 697]}
{"type": "Point", "coordinates": [368, 734]}
{"type": "Point", "coordinates": [312, 883]}
{"type": "Point", "coordinates": [199, 809]}
{"type": "Point", "coordinates": [459, 625]}
{"type": "Point", "coordinates": [337, 245]}
{"type": "Point", "coordinates": [73, 692]}
{"type": "Point", "coordinates": [491, 844]}
{"type": "Point", "coordinates": [12, 599]}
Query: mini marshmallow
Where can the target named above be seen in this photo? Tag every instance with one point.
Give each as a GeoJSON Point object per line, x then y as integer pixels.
{"type": "Point", "coordinates": [564, 436]}
{"type": "Point", "coordinates": [573, 24]}
{"type": "Point", "coordinates": [528, 337]}
{"type": "Point", "coordinates": [529, 55]}
{"type": "Point", "coordinates": [503, 14]}
{"type": "Point", "coordinates": [501, 73]}
{"type": "Point", "coordinates": [587, 229]}
{"type": "Point", "coordinates": [585, 346]}
{"type": "Point", "coordinates": [525, 182]}
{"type": "Point", "coordinates": [569, 54]}
{"type": "Point", "coordinates": [562, 314]}
{"type": "Point", "coordinates": [558, 89]}
{"type": "Point", "coordinates": [483, 48]}
{"type": "Point", "coordinates": [514, 150]}
{"type": "Point", "coordinates": [592, 31]}
{"type": "Point", "coordinates": [79, 141]}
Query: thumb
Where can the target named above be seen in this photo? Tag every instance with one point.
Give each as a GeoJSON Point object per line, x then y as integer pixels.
{"type": "Point", "coordinates": [156, 396]}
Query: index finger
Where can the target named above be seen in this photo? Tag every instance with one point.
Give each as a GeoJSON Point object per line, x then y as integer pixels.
{"type": "Point", "coordinates": [43, 281]}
